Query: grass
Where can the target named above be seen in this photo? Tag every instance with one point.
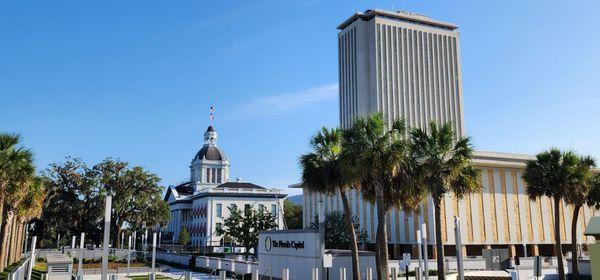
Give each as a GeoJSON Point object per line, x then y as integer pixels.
{"type": "Point", "coordinates": [145, 277]}
{"type": "Point", "coordinates": [41, 267]}
{"type": "Point", "coordinates": [111, 265]}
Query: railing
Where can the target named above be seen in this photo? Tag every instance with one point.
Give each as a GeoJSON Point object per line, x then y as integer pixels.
{"type": "Point", "coordinates": [239, 190]}
{"type": "Point", "coordinates": [144, 269]}
{"type": "Point", "coordinates": [212, 263]}
{"type": "Point", "coordinates": [87, 254]}
{"type": "Point", "coordinates": [20, 272]}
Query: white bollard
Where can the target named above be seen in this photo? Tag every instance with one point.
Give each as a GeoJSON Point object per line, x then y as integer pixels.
{"type": "Point", "coordinates": [188, 275]}
{"type": "Point", "coordinates": [255, 274]}
{"type": "Point", "coordinates": [315, 273]}
{"type": "Point", "coordinates": [81, 255]}
{"type": "Point", "coordinates": [32, 257]}
{"type": "Point", "coordinates": [222, 275]}
{"type": "Point", "coordinates": [394, 273]}
{"type": "Point", "coordinates": [285, 274]}
{"type": "Point", "coordinates": [342, 273]}
{"type": "Point", "coordinates": [369, 273]}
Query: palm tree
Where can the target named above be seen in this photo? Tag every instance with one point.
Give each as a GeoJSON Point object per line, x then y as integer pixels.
{"type": "Point", "coordinates": [444, 166]}
{"type": "Point", "coordinates": [553, 174]}
{"type": "Point", "coordinates": [29, 208]}
{"type": "Point", "coordinates": [579, 194]}
{"type": "Point", "coordinates": [323, 171]}
{"type": "Point", "coordinates": [377, 153]}
{"type": "Point", "coordinates": [16, 174]}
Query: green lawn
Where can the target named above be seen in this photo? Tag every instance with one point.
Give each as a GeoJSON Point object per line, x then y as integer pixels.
{"type": "Point", "coordinates": [145, 277]}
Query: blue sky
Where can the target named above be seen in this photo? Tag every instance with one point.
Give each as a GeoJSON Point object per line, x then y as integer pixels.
{"type": "Point", "coordinates": [135, 79]}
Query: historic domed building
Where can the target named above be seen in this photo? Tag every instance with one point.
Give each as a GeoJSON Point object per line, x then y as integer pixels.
{"type": "Point", "coordinates": [202, 204]}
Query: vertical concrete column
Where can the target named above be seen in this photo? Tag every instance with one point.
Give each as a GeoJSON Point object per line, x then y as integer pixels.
{"type": "Point", "coordinates": [315, 273]}
{"type": "Point", "coordinates": [513, 250]}
{"type": "Point", "coordinates": [285, 275]}
{"type": "Point", "coordinates": [342, 273]}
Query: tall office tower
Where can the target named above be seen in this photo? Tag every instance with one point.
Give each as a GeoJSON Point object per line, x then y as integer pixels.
{"type": "Point", "coordinates": [400, 64]}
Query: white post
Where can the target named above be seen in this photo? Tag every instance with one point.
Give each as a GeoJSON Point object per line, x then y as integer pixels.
{"type": "Point", "coordinates": [145, 242]}
{"type": "Point", "coordinates": [58, 242]}
{"type": "Point", "coordinates": [122, 239]}
{"type": "Point", "coordinates": [81, 253]}
{"type": "Point", "coordinates": [342, 273]}
{"type": "Point", "coordinates": [285, 274]}
{"type": "Point", "coordinates": [321, 217]}
{"type": "Point", "coordinates": [255, 274]}
{"type": "Point", "coordinates": [222, 274]}
{"type": "Point", "coordinates": [128, 255]}
{"type": "Point", "coordinates": [425, 254]}
{"type": "Point", "coordinates": [107, 212]}
{"type": "Point", "coordinates": [419, 271]}
{"type": "Point", "coordinates": [73, 248]}
{"type": "Point", "coordinates": [315, 273]}
{"type": "Point", "coordinates": [459, 262]}
{"type": "Point", "coordinates": [369, 273]}
{"type": "Point", "coordinates": [134, 240]}
{"type": "Point", "coordinates": [32, 257]}
{"type": "Point", "coordinates": [394, 273]}
{"type": "Point", "coordinates": [153, 250]}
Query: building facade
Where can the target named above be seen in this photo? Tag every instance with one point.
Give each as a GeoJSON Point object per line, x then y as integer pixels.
{"type": "Point", "coordinates": [202, 204]}
{"type": "Point", "coordinates": [402, 65]}
{"type": "Point", "coordinates": [408, 66]}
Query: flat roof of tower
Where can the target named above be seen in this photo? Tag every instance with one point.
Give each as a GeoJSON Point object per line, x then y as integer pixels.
{"type": "Point", "coordinates": [399, 15]}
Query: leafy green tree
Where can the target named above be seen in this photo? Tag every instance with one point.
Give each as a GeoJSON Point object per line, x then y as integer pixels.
{"type": "Point", "coordinates": [579, 195]}
{"type": "Point", "coordinates": [292, 215]}
{"type": "Point", "coordinates": [553, 173]}
{"type": "Point", "coordinates": [377, 154]}
{"type": "Point", "coordinates": [244, 228]}
{"type": "Point", "coordinates": [336, 231]}
{"type": "Point", "coordinates": [76, 194]}
{"type": "Point", "coordinates": [16, 177]}
{"type": "Point", "coordinates": [137, 196]}
{"type": "Point", "coordinates": [443, 166]}
{"type": "Point", "coordinates": [72, 204]}
{"type": "Point", "coordinates": [324, 172]}
{"type": "Point", "coordinates": [184, 236]}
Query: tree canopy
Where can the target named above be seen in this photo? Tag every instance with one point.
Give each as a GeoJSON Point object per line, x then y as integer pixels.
{"type": "Point", "coordinates": [292, 214]}
{"type": "Point", "coordinates": [76, 194]}
{"type": "Point", "coordinates": [244, 226]}
{"type": "Point", "coordinates": [336, 230]}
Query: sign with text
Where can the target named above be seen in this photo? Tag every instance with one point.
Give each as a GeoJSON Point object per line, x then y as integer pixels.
{"type": "Point", "coordinates": [288, 242]}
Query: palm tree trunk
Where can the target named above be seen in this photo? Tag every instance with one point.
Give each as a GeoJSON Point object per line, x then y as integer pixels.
{"type": "Point", "coordinates": [1, 208]}
{"type": "Point", "coordinates": [352, 232]}
{"type": "Point", "coordinates": [5, 237]}
{"type": "Point", "coordinates": [438, 239]}
{"type": "Point", "coordinates": [19, 239]}
{"type": "Point", "coordinates": [558, 250]}
{"type": "Point", "coordinates": [12, 242]}
{"type": "Point", "coordinates": [381, 239]}
{"type": "Point", "coordinates": [574, 257]}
